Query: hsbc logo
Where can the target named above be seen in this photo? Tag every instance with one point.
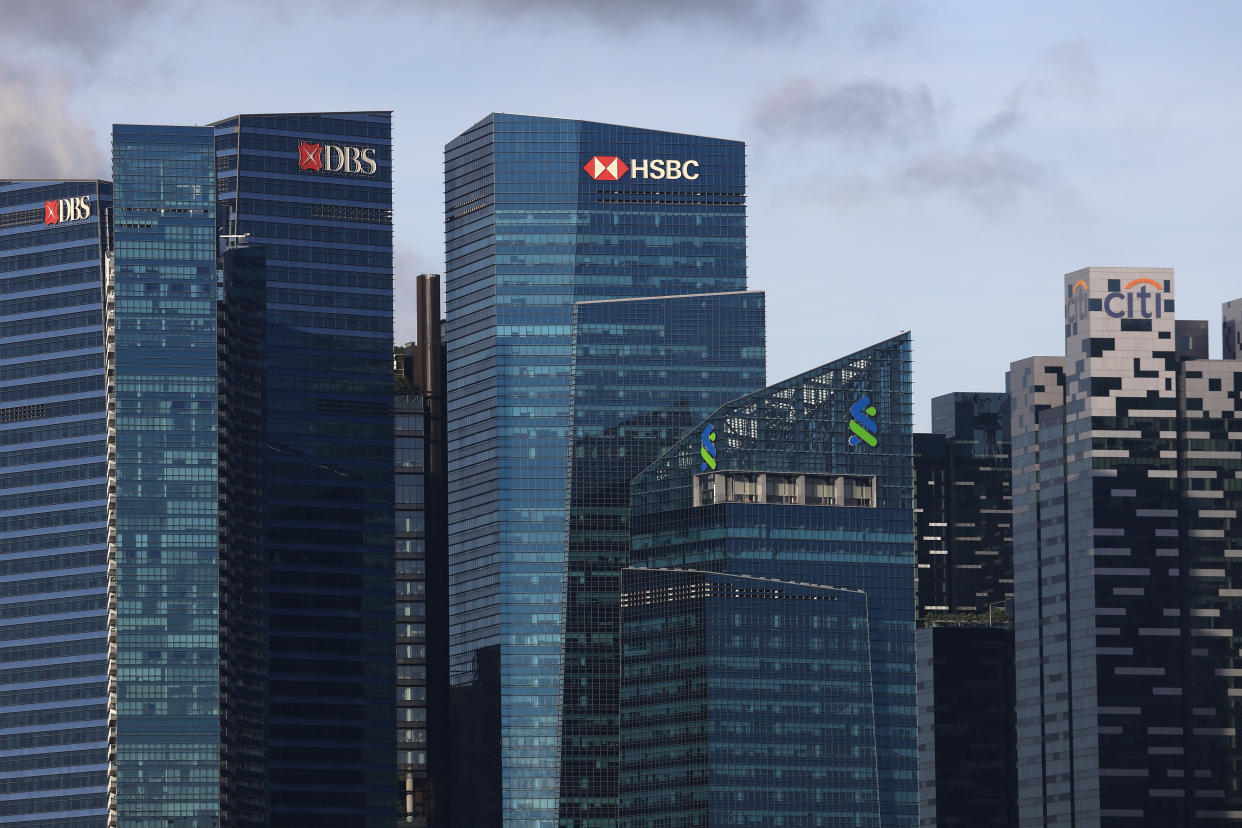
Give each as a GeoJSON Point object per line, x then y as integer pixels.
{"type": "Point", "coordinates": [59, 211]}
{"type": "Point", "coordinates": [333, 158]}
{"type": "Point", "coordinates": [612, 168]}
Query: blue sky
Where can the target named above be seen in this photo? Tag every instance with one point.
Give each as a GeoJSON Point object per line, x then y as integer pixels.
{"type": "Point", "coordinates": [926, 166]}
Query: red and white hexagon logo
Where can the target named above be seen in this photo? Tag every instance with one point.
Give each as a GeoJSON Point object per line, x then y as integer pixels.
{"type": "Point", "coordinates": [606, 168]}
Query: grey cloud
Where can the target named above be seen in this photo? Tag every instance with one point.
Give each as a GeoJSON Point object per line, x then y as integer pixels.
{"type": "Point", "coordinates": [863, 112]}
{"type": "Point", "coordinates": [87, 28]}
{"type": "Point", "coordinates": [766, 15]}
{"type": "Point", "coordinates": [38, 137]}
{"type": "Point", "coordinates": [47, 49]}
{"type": "Point", "coordinates": [986, 178]}
{"type": "Point", "coordinates": [1066, 70]}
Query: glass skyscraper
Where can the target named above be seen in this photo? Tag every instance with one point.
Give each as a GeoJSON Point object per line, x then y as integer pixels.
{"type": "Point", "coordinates": [963, 508]}
{"type": "Point", "coordinates": [163, 464]}
{"type": "Point", "coordinates": [745, 701]}
{"type": "Point", "coordinates": [423, 736]}
{"type": "Point", "coordinates": [315, 191]}
{"type": "Point", "coordinates": [53, 505]}
{"type": "Point", "coordinates": [541, 213]}
{"type": "Point", "coordinates": [810, 481]}
{"type": "Point", "coordinates": [644, 372]}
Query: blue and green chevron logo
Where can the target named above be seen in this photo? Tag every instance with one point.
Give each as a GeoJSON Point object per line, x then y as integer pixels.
{"type": "Point", "coordinates": [708, 448]}
{"type": "Point", "coordinates": [861, 422]}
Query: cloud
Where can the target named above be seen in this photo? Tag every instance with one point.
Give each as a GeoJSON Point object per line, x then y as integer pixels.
{"type": "Point", "coordinates": [989, 179]}
{"type": "Point", "coordinates": [38, 136]}
{"type": "Point", "coordinates": [862, 112]}
{"type": "Point", "coordinates": [1066, 70]}
{"type": "Point", "coordinates": [765, 15]}
{"type": "Point", "coordinates": [84, 28]}
{"type": "Point", "coordinates": [47, 48]}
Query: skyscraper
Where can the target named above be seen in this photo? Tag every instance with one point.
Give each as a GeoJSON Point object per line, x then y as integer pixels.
{"type": "Point", "coordinates": [963, 510]}
{"type": "Point", "coordinates": [644, 373]}
{"type": "Point", "coordinates": [53, 504]}
{"type": "Point", "coordinates": [541, 213]}
{"type": "Point", "coordinates": [315, 191]}
{"type": "Point", "coordinates": [967, 747]}
{"type": "Point", "coordinates": [423, 734]}
{"type": "Point", "coordinates": [166, 546]}
{"type": "Point", "coordinates": [1126, 607]}
{"type": "Point", "coordinates": [745, 701]}
{"type": "Point", "coordinates": [807, 481]}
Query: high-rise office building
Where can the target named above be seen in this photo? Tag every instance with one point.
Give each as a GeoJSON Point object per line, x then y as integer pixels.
{"type": "Point", "coordinates": [315, 191]}
{"type": "Point", "coordinates": [967, 747]}
{"type": "Point", "coordinates": [644, 373]}
{"type": "Point", "coordinates": [223, 645]}
{"type": "Point", "coordinates": [807, 481]}
{"type": "Point", "coordinates": [164, 538]}
{"type": "Point", "coordinates": [745, 701]}
{"type": "Point", "coordinates": [53, 505]}
{"type": "Point", "coordinates": [541, 213]}
{"type": "Point", "coordinates": [963, 510]}
{"type": "Point", "coordinates": [1231, 329]}
{"type": "Point", "coordinates": [423, 739]}
{"type": "Point", "coordinates": [1126, 586]}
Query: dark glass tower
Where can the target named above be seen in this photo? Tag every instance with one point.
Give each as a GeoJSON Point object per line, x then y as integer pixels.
{"type": "Point", "coordinates": [53, 505]}
{"type": "Point", "coordinates": [423, 735]}
{"type": "Point", "coordinates": [1128, 587]}
{"type": "Point", "coordinates": [967, 746]}
{"type": "Point", "coordinates": [745, 701]}
{"type": "Point", "coordinates": [541, 213]}
{"type": "Point", "coordinates": [166, 547]}
{"type": "Point", "coordinates": [808, 481]}
{"type": "Point", "coordinates": [964, 513]}
{"type": "Point", "coordinates": [315, 190]}
{"type": "Point", "coordinates": [644, 373]}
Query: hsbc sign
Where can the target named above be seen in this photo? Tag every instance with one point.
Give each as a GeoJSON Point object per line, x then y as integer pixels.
{"type": "Point", "coordinates": [59, 211]}
{"type": "Point", "coordinates": [612, 168]}
{"type": "Point", "coordinates": [334, 158]}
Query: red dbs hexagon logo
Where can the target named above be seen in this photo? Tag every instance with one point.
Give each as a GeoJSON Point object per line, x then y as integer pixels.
{"type": "Point", "coordinates": [51, 212]}
{"type": "Point", "coordinates": [310, 156]}
{"type": "Point", "coordinates": [606, 168]}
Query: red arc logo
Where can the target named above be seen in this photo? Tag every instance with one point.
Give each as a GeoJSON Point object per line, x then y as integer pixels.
{"type": "Point", "coordinates": [606, 168]}
{"type": "Point", "coordinates": [310, 156]}
{"type": "Point", "coordinates": [51, 212]}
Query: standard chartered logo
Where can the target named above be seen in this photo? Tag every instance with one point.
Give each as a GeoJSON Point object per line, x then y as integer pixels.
{"type": "Point", "coordinates": [707, 448]}
{"type": "Point", "coordinates": [862, 423]}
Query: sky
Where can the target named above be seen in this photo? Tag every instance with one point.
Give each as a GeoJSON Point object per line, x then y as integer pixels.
{"type": "Point", "coordinates": [925, 166]}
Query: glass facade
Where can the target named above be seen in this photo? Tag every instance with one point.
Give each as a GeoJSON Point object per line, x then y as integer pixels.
{"type": "Point", "coordinates": [963, 509]}
{"type": "Point", "coordinates": [532, 226]}
{"type": "Point", "coordinates": [745, 702]}
{"type": "Point", "coordinates": [315, 191]}
{"type": "Point", "coordinates": [644, 372]}
{"type": "Point", "coordinates": [423, 738]}
{"type": "Point", "coordinates": [53, 505]}
{"type": "Point", "coordinates": [163, 379]}
{"type": "Point", "coordinates": [967, 752]}
{"type": "Point", "coordinates": [809, 481]}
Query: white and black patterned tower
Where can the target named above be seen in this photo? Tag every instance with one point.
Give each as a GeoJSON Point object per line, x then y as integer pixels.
{"type": "Point", "coordinates": [1125, 486]}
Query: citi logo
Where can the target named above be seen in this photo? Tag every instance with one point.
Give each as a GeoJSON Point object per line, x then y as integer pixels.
{"type": "Point", "coordinates": [612, 168]}
{"type": "Point", "coordinates": [1126, 303]}
{"type": "Point", "coordinates": [333, 158]}
{"type": "Point", "coordinates": [59, 211]}
{"type": "Point", "coordinates": [707, 448]}
{"type": "Point", "coordinates": [861, 422]}
{"type": "Point", "coordinates": [1118, 305]}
